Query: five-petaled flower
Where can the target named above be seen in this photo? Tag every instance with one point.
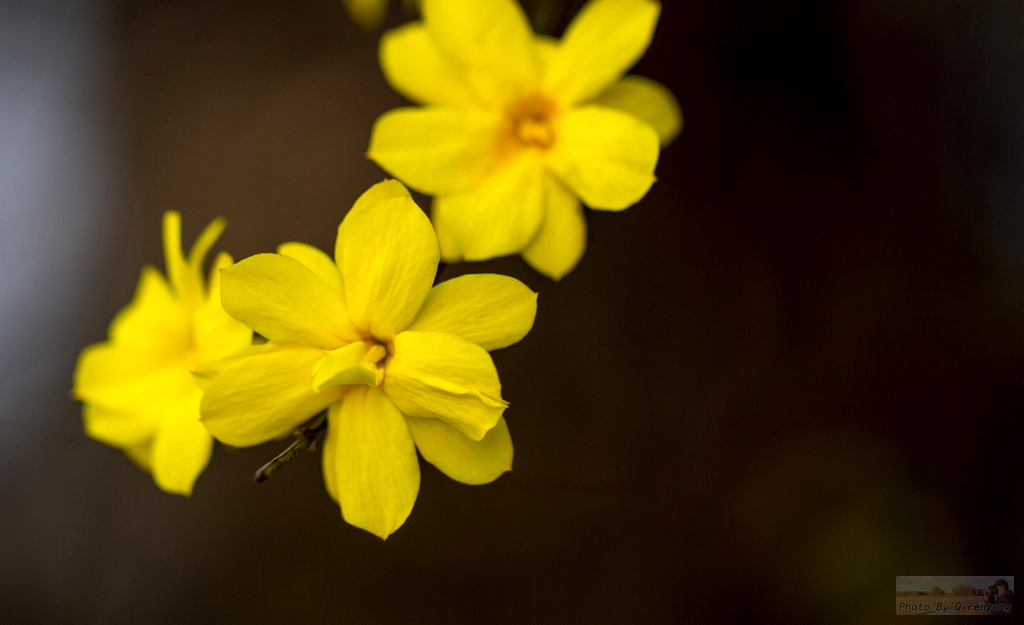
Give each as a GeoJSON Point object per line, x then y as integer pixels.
{"type": "Point", "coordinates": [137, 387]}
{"type": "Point", "coordinates": [519, 128]}
{"type": "Point", "coordinates": [400, 365]}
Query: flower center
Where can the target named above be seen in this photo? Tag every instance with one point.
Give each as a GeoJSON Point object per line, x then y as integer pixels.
{"type": "Point", "coordinates": [532, 122]}
{"type": "Point", "coordinates": [534, 131]}
{"type": "Point", "coordinates": [376, 354]}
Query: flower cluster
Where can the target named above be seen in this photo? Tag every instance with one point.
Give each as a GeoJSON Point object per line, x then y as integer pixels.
{"type": "Point", "coordinates": [519, 128]}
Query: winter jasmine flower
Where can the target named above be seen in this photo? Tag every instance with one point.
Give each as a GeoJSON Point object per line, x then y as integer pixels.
{"type": "Point", "coordinates": [137, 386]}
{"type": "Point", "coordinates": [399, 365]}
{"type": "Point", "coordinates": [519, 128]}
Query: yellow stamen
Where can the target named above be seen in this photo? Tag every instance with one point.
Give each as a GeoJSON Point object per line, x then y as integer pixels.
{"type": "Point", "coordinates": [376, 353]}
{"type": "Point", "coordinates": [532, 122]}
{"type": "Point", "coordinates": [538, 132]}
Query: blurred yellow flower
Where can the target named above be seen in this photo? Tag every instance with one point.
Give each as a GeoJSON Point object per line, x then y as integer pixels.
{"type": "Point", "coordinates": [519, 128]}
{"type": "Point", "coordinates": [137, 387]}
{"type": "Point", "coordinates": [399, 364]}
{"type": "Point", "coordinates": [367, 13]}
{"type": "Point", "coordinates": [370, 13]}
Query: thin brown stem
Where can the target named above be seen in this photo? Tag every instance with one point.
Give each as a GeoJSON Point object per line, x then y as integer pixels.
{"type": "Point", "coordinates": [308, 437]}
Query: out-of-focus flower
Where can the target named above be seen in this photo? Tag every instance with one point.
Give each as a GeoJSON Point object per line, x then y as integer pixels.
{"type": "Point", "coordinates": [137, 386]}
{"type": "Point", "coordinates": [519, 128]}
{"type": "Point", "coordinates": [398, 364]}
{"type": "Point", "coordinates": [370, 13]}
{"type": "Point", "coordinates": [367, 13]}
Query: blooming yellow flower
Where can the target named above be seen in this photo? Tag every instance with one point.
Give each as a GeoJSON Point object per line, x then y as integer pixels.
{"type": "Point", "coordinates": [398, 364]}
{"type": "Point", "coordinates": [137, 387]}
{"type": "Point", "coordinates": [519, 128]}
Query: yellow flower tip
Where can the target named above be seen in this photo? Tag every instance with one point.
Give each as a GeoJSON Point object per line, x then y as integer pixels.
{"type": "Point", "coordinates": [393, 188]}
{"type": "Point", "coordinates": [171, 226]}
{"type": "Point", "coordinates": [368, 14]}
{"type": "Point", "coordinates": [183, 492]}
{"type": "Point", "coordinates": [140, 455]}
{"type": "Point", "coordinates": [383, 535]}
{"type": "Point", "coordinates": [205, 241]}
{"type": "Point", "coordinates": [174, 260]}
{"type": "Point", "coordinates": [491, 401]}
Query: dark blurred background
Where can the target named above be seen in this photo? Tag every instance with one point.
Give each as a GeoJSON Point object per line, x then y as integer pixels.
{"type": "Point", "coordinates": [792, 372]}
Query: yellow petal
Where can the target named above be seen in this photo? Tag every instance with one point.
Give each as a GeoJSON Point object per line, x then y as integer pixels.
{"type": "Point", "coordinates": [376, 473]}
{"type": "Point", "coordinates": [605, 156]}
{"type": "Point", "coordinates": [545, 49]}
{"type": "Point", "coordinates": [436, 149]}
{"type": "Point", "coordinates": [439, 375]}
{"type": "Point", "coordinates": [316, 261]}
{"type": "Point", "coordinates": [284, 301]}
{"type": "Point", "coordinates": [647, 100]}
{"type": "Point", "coordinates": [490, 310]}
{"type": "Point", "coordinates": [119, 429]}
{"type": "Point", "coordinates": [415, 67]}
{"type": "Point", "coordinates": [462, 459]}
{"type": "Point", "coordinates": [492, 38]}
{"type": "Point", "coordinates": [141, 455]}
{"type": "Point", "coordinates": [451, 253]}
{"type": "Point", "coordinates": [367, 13]}
{"type": "Point", "coordinates": [386, 190]}
{"type": "Point", "coordinates": [212, 367]}
{"type": "Point", "coordinates": [187, 276]}
{"type": "Point", "coordinates": [563, 238]}
{"type": "Point", "coordinates": [213, 282]}
{"type": "Point", "coordinates": [217, 334]}
{"type": "Point", "coordinates": [154, 319]}
{"type": "Point", "coordinates": [181, 450]}
{"type": "Point", "coordinates": [328, 464]}
{"type": "Point", "coordinates": [497, 217]}
{"type": "Point", "coordinates": [204, 242]}
{"type": "Point", "coordinates": [127, 379]}
{"type": "Point", "coordinates": [352, 364]}
{"type": "Point", "coordinates": [390, 259]}
{"type": "Point", "coordinates": [174, 258]}
{"type": "Point", "coordinates": [263, 396]}
{"type": "Point", "coordinates": [604, 40]}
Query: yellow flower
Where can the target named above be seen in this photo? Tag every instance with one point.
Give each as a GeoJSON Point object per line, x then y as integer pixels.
{"type": "Point", "coordinates": [399, 365]}
{"type": "Point", "coordinates": [137, 387]}
{"type": "Point", "coordinates": [367, 13]}
{"type": "Point", "coordinates": [370, 13]}
{"type": "Point", "coordinates": [519, 128]}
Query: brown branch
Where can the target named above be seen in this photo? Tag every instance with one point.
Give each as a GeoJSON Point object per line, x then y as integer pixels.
{"type": "Point", "coordinates": [308, 437]}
